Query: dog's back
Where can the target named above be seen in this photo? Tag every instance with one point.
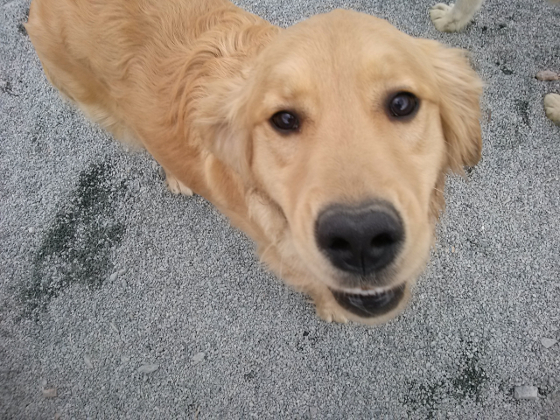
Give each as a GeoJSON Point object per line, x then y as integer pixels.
{"type": "Point", "coordinates": [93, 65]}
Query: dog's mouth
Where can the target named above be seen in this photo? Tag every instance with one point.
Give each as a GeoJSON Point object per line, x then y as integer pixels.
{"type": "Point", "coordinates": [370, 303]}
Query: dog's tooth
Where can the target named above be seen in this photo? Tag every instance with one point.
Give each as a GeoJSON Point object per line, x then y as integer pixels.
{"type": "Point", "coordinates": [362, 292]}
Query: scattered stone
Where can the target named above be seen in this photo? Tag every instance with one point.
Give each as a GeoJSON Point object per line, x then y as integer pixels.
{"type": "Point", "coordinates": [526, 392]}
{"type": "Point", "coordinates": [135, 186]}
{"type": "Point", "coordinates": [125, 359]}
{"type": "Point", "coordinates": [548, 342]}
{"type": "Point", "coordinates": [197, 358]}
{"type": "Point", "coordinates": [547, 75]}
{"type": "Point", "coordinates": [114, 276]}
{"type": "Point", "coordinates": [114, 327]}
{"type": "Point", "coordinates": [57, 416]}
{"type": "Point", "coordinates": [87, 361]}
{"type": "Point", "coordinates": [49, 393]}
{"type": "Point", "coordinates": [31, 230]}
{"type": "Point", "coordinates": [147, 369]}
{"type": "Point", "coordinates": [313, 411]}
{"type": "Point", "coordinates": [121, 272]}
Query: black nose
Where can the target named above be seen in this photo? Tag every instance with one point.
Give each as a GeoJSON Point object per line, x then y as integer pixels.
{"type": "Point", "coordinates": [363, 239]}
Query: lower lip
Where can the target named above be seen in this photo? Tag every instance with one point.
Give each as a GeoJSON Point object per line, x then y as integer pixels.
{"type": "Point", "coordinates": [370, 305]}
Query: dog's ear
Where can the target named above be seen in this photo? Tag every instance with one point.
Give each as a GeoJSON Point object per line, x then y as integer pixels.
{"type": "Point", "coordinates": [460, 90]}
{"type": "Point", "coordinates": [222, 122]}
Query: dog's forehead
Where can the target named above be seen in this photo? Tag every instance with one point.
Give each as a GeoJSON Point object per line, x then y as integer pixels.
{"type": "Point", "coordinates": [341, 47]}
{"type": "Point", "coordinates": [345, 34]}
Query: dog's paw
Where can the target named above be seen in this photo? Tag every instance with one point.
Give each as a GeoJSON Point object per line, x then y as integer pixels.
{"type": "Point", "coordinates": [325, 304]}
{"type": "Point", "coordinates": [176, 186]}
{"type": "Point", "coordinates": [330, 312]}
{"type": "Point", "coordinates": [445, 20]}
{"type": "Point", "coordinates": [552, 107]}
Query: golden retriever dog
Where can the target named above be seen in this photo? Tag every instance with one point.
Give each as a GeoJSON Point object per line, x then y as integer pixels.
{"type": "Point", "coordinates": [454, 18]}
{"type": "Point", "coordinates": [327, 142]}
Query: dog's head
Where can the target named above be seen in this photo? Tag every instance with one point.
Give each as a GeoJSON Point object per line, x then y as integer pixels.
{"type": "Point", "coordinates": [349, 126]}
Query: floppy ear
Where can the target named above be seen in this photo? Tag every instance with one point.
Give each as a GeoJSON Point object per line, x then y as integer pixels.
{"type": "Point", "coordinates": [460, 91]}
{"type": "Point", "coordinates": [221, 119]}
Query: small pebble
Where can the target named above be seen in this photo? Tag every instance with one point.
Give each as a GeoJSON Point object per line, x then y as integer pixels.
{"type": "Point", "coordinates": [114, 327]}
{"type": "Point", "coordinates": [121, 272]}
{"type": "Point", "coordinates": [49, 393]}
{"type": "Point", "coordinates": [526, 392]}
{"type": "Point", "coordinates": [148, 368]}
{"type": "Point", "coordinates": [548, 342]}
{"type": "Point", "coordinates": [31, 230]}
{"type": "Point", "coordinates": [125, 359]}
{"type": "Point", "coordinates": [87, 361]}
{"type": "Point", "coordinates": [547, 75]}
{"type": "Point", "coordinates": [197, 358]}
{"type": "Point", "coordinates": [114, 276]}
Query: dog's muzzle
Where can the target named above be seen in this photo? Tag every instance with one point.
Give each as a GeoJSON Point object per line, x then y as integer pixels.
{"type": "Point", "coordinates": [369, 304]}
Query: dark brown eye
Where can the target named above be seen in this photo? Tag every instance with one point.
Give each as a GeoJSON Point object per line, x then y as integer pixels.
{"type": "Point", "coordinates": [285, 121]}
{"type": "Point", "coordinates": [403, 104]}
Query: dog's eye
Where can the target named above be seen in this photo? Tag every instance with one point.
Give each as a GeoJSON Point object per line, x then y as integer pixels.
{"type": "Point", "coordinates": [285, 121]}
{"type": "Point", "coordinates": [403, 104]}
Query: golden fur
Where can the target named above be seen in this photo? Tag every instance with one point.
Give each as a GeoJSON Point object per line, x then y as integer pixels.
{"type": "Point", "coordinates": [196, 82]}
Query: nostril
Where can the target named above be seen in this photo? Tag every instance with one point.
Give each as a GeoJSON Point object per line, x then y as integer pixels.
{"type": "Point", "coordinates": [382, 240]}
{"type": "Point", "coordinates": [340, 244]}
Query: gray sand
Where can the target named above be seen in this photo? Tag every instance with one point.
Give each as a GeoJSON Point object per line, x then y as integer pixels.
{"type": "Point", "coordinates": [120, 300]}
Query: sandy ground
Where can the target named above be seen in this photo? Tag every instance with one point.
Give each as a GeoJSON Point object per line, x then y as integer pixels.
{"type": "Point", "coordinates": [120, 300]}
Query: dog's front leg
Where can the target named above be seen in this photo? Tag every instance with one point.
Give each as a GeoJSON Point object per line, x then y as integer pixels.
{"type": "Point", "coordinates": [176, 186]}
